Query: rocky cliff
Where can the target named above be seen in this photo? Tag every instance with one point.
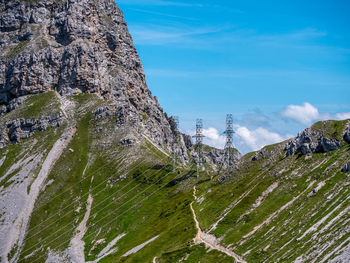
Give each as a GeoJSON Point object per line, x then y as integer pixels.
{"type": "Point", "coordinates": [74, 47]}
{"type": "Point", "coordinates": [85, 160]}
{"type": "Point", "coordinates": [318, 139]}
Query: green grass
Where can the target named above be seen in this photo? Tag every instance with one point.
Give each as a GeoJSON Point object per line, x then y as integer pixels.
{"type": "Point", "coordinates": [67, 174]}
{"type": "Point", "coordinates": [134, 192]}
{"type": "Point", "coordinates": [16, 50]}
{"type": "Point", "coordinates": [331, 129]}
{"type": "Point", "coordinates": [35, 106]}
{"type": "Point", "coordinates": [38, 104]}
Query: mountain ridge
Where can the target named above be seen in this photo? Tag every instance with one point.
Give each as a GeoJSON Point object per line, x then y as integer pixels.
{"type": "Point", "coordinates": [86, 160]}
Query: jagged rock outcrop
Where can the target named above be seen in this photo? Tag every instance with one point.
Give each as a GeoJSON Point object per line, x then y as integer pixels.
{"type": "Point", "coordinates": [77, 47]}
{"type": "Point", "coordinates": [216, 156]}
{"type": "Point", "coordinates": [311, 141]}
{"type": "Point", "coordinates": [346, 136]}
{"type": "Point", "coordinates": [69, 46]}
{"type": "Point", "coordinates": [346, 168]}
{"type": "Point", "coordinates": [326, 145]}
{"type": "Point", "coordinates": [3, 110]}
{"type": "Point", "coordinates": [187, 140]}
{"type": "Point", "coordinates": [304, 143]}
{"type": "Point", "coordinates": [13, 104]}
{"type": "Point", "coordinates": [128, 141]}
{"type": "Point", "coordinates": [19, 129]}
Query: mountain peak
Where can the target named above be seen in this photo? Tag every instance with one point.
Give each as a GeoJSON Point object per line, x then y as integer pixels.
{"type": "Point", "coordinates": [71, 47]}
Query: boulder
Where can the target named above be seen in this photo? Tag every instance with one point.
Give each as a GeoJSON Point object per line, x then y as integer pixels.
{"type": "Point", "coordinates": [3, 110]}
{"type": "Point", "coordinates": [346, 168]}
{"type": "Point", "coordinates": [326, 145]}
{"type": "Point", "coordinates": [19, 129]}
{"type": "Point", "coordinates": [128, 141]}
{"type": "Point", "coordinates": [347, 134]}
{"type": "Point", "coordinates": [309, 142]}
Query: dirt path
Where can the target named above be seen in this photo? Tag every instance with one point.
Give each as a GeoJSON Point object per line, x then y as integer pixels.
{"type": "Point", "coordinates": [210, 240]}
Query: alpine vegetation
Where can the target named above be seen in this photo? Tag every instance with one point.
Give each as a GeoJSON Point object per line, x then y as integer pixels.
{"type": "Point", "coordinates": [93, 170]}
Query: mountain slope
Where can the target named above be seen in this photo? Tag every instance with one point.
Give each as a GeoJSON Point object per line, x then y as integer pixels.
{"type": "Point", "coordinates": [86, 169]}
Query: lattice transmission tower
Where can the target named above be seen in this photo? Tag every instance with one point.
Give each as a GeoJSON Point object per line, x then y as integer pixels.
{"type": "Point", "coordinates": [228, 156]}
{"type": "Point", "coordinates": [199, 144]}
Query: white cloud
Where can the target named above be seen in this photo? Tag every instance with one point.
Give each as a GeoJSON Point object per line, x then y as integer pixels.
{"type": "Point", "coordinates": [258, 138]}
{"type": "Point", "coordinates": [304, 114]}
{"type": "Point", "coordinates": [248, 139]}
{"type": "Point", "coordinates": [307, 114]}
{"type": "Point", "coordinates": [213, 138]}
{"type": "Point", "coordinates": [342, 116]}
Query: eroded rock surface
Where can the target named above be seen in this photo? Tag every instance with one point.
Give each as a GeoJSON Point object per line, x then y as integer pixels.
{"type": "Point", "coordinates": [19, 129]}
{"type": "Point", "coordinates": [77, 47]}
{"type": "Point", "coordinates": [311, 141]}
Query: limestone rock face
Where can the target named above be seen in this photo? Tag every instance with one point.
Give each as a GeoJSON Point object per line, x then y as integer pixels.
{"type": "Point", "coordinates": [346, 168]}
{"type": "Point", "coordinates": [19, 129]}
{"type": "Point", "coordinates": [304, 143]}
{"type": "Point", "coordinates": [327, 145]}
{"type": "Point", "coordinates": [347, 133]}
{"type": "Point", "coordinates": [72, 47]}
{"type": "Point", "coordinates": [69, 46]}
{"type": "Point", "coordinates": [312, 141]}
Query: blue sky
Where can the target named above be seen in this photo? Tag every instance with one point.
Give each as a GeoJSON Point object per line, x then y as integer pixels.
{"type": "Point", "coordinates": [277, 66]}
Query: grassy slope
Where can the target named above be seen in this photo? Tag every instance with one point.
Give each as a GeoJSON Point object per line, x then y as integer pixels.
{"type": "Point", "coordinates": [294, 176]}
{"type": "Point", "coordinates": [34, 107]}
{"type": "Point", "coordinates": [143, 205]}
{"type": "Point", "coordinates": [118, 207]}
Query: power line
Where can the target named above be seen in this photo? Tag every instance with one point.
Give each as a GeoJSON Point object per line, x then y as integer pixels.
{"type": "Point", "coordinates": [117, 216]}
{"type": "Point", "coordinates": [95, 187]}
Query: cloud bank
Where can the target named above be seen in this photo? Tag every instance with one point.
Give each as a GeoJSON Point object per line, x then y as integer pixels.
{"type": "Point", "coordinates": [307, 114]}
{"type": "Point", "coordinates": [257, 138]}
{"type": "Point", "coordinates": [248, 138]}
{"type": "Point", "coordinates": [304, 114]}
{"type": "Point", "coordinates": [245, 139]}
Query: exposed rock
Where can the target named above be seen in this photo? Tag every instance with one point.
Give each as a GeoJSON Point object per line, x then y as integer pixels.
{"type": "Point", "coordinates": [256, 157]}
{"type": "Point", "coordinates": [327, 145]}
{"type": "Point", "coordinates": [259, 155]}
{"type": "Point", "coordinates": [78, 46]}
{"type": "Point", "coordinates": [346, 168]}
{"type": "Point", "coordinates": [347, 133]}
{"type": "Point", "coordinates": [215, 157]}
{"type": "Point", "coordinates": [129, 141]}
{"type": "Point", "coordinates": [3, 110]}
{"type": "Point", "coordinates": [188, 140]}
{"type": "Point", "coordinates": [310, 141]}
{"type": "Point", "coordinates": [19, 129]}
{"type": "Point", "coordinates": [304, 143]}
{"type": "Point", "coordinates": [13, 104]}
{"type": "Point", "coordinates": [103, 112]}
